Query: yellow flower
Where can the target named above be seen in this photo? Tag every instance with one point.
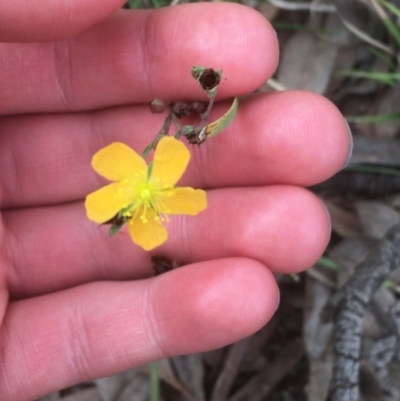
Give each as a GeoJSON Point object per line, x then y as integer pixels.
{"type": "Point", "coordinates": [144, 195]}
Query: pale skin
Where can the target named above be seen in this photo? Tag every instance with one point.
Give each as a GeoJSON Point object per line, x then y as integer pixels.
{"type": "Point", "coordinates": [75, 304]}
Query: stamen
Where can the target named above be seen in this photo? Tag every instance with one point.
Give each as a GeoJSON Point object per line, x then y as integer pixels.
{"type": "Point", "coordinates": [161, 205]}
{"type": "Point", "coordinates": [158, 205]}
{"type": "Point", "coordinates": [136, 208]}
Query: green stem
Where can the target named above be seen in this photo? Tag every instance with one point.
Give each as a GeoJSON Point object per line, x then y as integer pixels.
{"type": "Point", "coordinates": [205, 115]}
{"type": "Point", "coordinates": [154, 382]}
{"type": "Point", "coordinates": [178, 126]}
{"type": "Point", "coordinates": [163, 131]}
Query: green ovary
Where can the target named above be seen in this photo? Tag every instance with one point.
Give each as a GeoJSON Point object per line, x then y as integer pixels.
{"type": "Point", "coordinates": [145, 194]}
{"type": "Point", "coordinates": [149, 197]}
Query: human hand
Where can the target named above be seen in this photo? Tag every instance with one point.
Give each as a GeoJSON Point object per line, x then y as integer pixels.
{"type": "Point", "coordinates": [77, 305]}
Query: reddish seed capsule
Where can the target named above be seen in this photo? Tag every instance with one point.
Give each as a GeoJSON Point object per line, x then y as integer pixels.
{"type": "Point", "coordinates": [196, 136]}
{"type": "Point", "coordinates": [182, 109]}
{"type": "Point", "coordinates": [162, 264]}
{"type": "Point", "coordinates": [208, 78]}
{"type": "Point", "coordinates": [157, 106]}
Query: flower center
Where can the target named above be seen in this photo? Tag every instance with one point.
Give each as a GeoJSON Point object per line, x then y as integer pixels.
{"type": "Point", "coordinates": [145, 194]}
{"type": "Point", "coordinates": [148, 197]}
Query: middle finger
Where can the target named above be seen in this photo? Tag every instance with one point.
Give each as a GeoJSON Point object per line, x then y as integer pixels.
{"type": "Point", "coordinates": [276, 138]}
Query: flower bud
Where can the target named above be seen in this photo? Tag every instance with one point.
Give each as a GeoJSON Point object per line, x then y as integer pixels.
{"type": "Point", "coordinates": [157, 106]}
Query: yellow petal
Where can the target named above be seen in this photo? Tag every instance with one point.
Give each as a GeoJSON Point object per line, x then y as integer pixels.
{"type": "Point", "coordinates": [106, 202]}
{"type": "Point", "coordinates": [118, 161]}
{"type": "Point", "coordinates": [185, 201]}
{"type": "Point", "coordinates": [170, 161]}
{"type": "Point", "coordinates": [150, 234]}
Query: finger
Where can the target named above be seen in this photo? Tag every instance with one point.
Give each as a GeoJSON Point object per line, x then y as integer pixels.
{"type": "Point", "coordinates": [286, 228]}
{"type": "Point", "coordinates": [22, 21]}
{"type": "Point", "coordinates": [136, 56]}
{"type": "Point", "coordinates": [292, 137]}
{"type": "Point", "coordinates": [98, 329]}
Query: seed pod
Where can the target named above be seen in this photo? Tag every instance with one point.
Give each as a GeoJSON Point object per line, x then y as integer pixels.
{"type": "Point", "coordinates": [208, 78]}
{"type": "Point", "coordinates": [181, 109]}
{"type": "Point", "coordinates": [196, 136]}
{"type": "Point", "coordinates": [157, 106]}
{"type": "Point", "coordinates": [162, 264]}
{"type": "Point", "coordinates": [198, 107]}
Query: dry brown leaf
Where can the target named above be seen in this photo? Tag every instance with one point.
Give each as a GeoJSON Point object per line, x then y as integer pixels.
{"type": "Point", "coordinates": [376, 218]}
{"type": "Point", "coordinates": [387, 104]}
{"type": "Point", "coordinates": [190, 371]}
{"type": "Point", "coordinates": [348, 253]}
{"type": "Point", "coordinates": [167, 374]}
{"type": "Point", "coordinates": [317, 336]}
{"type": "Point", "coordinates": [138, 389]}
{"type": "Point", "coordinates": [307, 62]}
{"type": "Point", "coordinates": [344, 222]}
{"type": "Point", "coordinates": [111, 386]}
{"type": "Point", "coordinates": [316, 333]}
{"type": "Point", "coordinates": [375, 151]}
{"type": "Point", "coordinates": [268, 10]}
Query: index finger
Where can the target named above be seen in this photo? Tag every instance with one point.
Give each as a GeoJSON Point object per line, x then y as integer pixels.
{"type": "Point", "coordinates": [136, 56]}
{"type": "Point", "coordinates": [32, 21]}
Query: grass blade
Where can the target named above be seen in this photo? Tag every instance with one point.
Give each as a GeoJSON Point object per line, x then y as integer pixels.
{"type": "Point", "coordinates": [392, 28]}
{"type": "Point", "coordinates": [374, 169]}
{"type": "Point", "coordinates": [386, 59]}
{"type": "Point", "coordinates": [154, 382]}
{"type": "Point", "coordinates": [327, 262]}
{"type": "Point", "coordinates": [389, 78]}
{"type": "Point", "coordinates": [391, 7]}
{"type": "Point", "coordinates": [378, 118]}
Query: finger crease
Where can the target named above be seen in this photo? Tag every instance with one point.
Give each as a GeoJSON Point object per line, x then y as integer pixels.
{"type": "Point", "coordinates": [63, 72]}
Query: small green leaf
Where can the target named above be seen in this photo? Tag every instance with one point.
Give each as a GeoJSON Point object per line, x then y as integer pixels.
{"type": "Point", "coordinates": [196, 71]}
{"type": "Point", "coordinates": [219, 125]}
{"type": "Point", "coordinates": [135, 4]}
{"type": "Point", "coordinates": [114, 229]}
{"type": "Point", "coordinates": [187, 129]}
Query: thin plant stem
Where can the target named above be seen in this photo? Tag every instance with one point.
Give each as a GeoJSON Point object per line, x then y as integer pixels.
{"type": "Point", "coordinates": [291, 5]}
{"type": "Point", "coordinates": [163, 131]}
{"type": "Point", "coordinates": [374, 169]}
{"type": "Point", "coordinates": [366, 38]}
{"type": "Point", "coordinates": [177, 125]}
{"type": "Point", "coordinates": [205, 115]}
{"type": "Point", "coordinates": [377, 118]}
{"type": "Point", "coordinates": [154, 382]}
